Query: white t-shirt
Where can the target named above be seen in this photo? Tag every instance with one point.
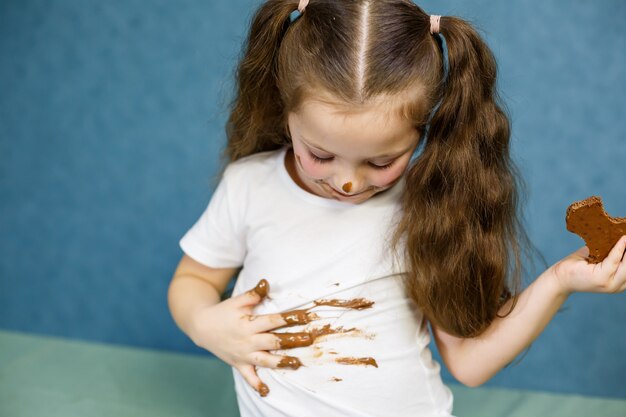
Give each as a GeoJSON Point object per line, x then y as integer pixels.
{"type": "Point", "coordinates": [311, 248]}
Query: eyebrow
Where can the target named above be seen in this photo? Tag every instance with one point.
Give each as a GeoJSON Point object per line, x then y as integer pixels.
{"type": "Point", "coordinates": [386, 155]}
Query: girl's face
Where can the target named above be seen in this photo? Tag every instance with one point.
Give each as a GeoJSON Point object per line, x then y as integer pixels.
{"type": "Point", "coordinates": [349, 156]}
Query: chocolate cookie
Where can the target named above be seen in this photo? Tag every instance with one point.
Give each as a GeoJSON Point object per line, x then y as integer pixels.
{"type": "Point", "coordinates": [600, 231]}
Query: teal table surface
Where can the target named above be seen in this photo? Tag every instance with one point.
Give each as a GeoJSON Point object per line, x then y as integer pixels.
{"type": "Point", "coordinates": [53, 377]}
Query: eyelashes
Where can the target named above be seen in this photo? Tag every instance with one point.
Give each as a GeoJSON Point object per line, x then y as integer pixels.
{"type": "Point", "coordinates": [320, 160]}
{"type": "Point", "coordinates": [386, 166]}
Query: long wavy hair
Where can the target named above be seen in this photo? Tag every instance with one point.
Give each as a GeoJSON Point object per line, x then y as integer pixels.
{"type": "Point", "coordinates": [459, 227]}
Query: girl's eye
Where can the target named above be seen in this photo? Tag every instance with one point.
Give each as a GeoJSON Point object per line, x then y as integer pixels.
{"type": "Point", "coordinates": [320, 159]}
{"type": "Point", "coordinates": [385, 166]}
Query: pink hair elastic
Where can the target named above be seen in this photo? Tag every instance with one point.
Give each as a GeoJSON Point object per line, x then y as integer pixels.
{"type": "Point", "coordinates": [434, 23]}
{"type": "Point", "coordinates": [302, 5]}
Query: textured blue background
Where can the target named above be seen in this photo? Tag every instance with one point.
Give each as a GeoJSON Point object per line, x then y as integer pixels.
{"type": "Point", "coordinates": [111, 123]}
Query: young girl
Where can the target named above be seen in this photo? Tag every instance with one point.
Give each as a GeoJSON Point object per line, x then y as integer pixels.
{"type": "Point", "coordinates": [369, 192]}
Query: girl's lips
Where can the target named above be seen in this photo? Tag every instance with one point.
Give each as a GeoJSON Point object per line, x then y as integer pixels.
{"type": "Point", "coordinates": [343, 195]}
{"type": "Point", "coordinates": [346, 195]}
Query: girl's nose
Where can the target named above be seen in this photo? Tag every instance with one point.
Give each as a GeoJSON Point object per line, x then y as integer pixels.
{"type": "Point", "coordinates": [348, 181]}
{"type": "Point", "coordinates": [349, 185]}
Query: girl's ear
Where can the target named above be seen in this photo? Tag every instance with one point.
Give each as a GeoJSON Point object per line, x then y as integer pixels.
{"type": "Point", "coordinates": [286, 129]}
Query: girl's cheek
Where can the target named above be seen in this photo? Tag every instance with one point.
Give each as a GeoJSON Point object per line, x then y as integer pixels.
{"type": "Point", "coordinates": [310, 167]}
{"type": "Point", "coordinates": [385, 178]}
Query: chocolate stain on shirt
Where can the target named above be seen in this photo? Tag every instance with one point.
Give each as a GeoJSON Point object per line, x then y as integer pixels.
{"type": "Point", "coordinates": [303, 316]}
{"type": "Point", "coordinates": [335, 379]}
{"type": "Point", "coordinates": [355, 303]}
{"type": "Point", "coordinates": [302, 339]}
{"type": "Point", "coordinates": [357, 361]}
{"type": "Point", "coordinates": [317, 352]}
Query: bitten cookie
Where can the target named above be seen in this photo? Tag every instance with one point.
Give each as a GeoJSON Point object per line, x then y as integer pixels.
{"type": "Point", "coordinates": [600, 231]}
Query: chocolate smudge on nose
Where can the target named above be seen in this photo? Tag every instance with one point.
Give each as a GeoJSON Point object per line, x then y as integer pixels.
{"type": "Point", "coordinates": [357, 361]}
{"type": "Point", "coordinates": [347, 187]}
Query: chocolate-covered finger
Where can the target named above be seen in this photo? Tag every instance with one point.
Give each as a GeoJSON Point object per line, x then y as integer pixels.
{"type": "Point", "coordinates": [298, 317]}
{"type": "Point", "coordinates": [263, 389]}
{"type": "Point", "coordinates": [294, 340]}
{"type": "Point", "coordinates": [265, 341]}
{"type": "Point", "coordinates": [267, 360]}
{"type": "Point", "coordinates": [248, 372]}
{"type": "Point", "coordinates": [252, 297]}
{"type": "Point", "coordinates": [289, 362]}
{"type": "Point", "coordinates": [275, 341]}
{"type": "Point", "coordinates": [269, 322]}
{"type": "Point", "coordinates": [266, 322]}
{"type": "Point", "coordinates": [262, 288]}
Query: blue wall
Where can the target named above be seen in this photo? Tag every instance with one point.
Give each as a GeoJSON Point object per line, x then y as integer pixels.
{"type": "Point", "coordinates": [111, 123]}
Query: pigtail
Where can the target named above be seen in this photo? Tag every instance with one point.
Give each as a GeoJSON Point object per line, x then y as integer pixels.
{"type": "Point", "coordinates": [255, 123]}
{"type": "Point", "coordinates": [460, 203]}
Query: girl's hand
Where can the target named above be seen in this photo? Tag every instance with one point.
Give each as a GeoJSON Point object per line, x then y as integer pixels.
{"type": "Point", "coordinates": [575, 274]}
{"type": "Point", "coordinates": [231, 332]}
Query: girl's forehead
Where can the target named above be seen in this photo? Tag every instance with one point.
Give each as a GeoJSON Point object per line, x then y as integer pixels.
{"type": "Point", "coordinates": [376, 123]}
{"type": "Point", "coordinates": [409, 106]}
{"type": "Point", "coordinates": [378, 115]}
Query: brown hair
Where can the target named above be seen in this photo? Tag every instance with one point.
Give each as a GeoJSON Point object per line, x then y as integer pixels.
{"type": "Point", "coordinates": [459, 225]}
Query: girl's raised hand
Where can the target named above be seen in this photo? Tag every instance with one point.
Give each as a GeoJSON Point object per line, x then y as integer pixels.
{"type": "Point", "coordinates": [231, 332]}
{"type": "Point", "coordinates": [575, 274]}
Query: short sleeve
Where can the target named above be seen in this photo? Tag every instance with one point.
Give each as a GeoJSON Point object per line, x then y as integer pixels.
{"type": "Point", "coordinates": [218, 239]}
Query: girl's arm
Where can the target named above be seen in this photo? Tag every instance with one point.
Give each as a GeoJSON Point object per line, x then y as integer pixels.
{"type": "Point", "coordinates": [194, 287]}
{"type": "Point", "coordinates": [473, 361]}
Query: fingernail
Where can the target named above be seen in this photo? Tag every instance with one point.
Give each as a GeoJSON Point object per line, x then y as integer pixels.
{"type": "Point", "coordinates": [262, 288]}
{"type": "Point", "coordinates": [263, 390]}
{"type": "Point", "coordinates": [296, 317]}
{"type": "Point", "coordinates": [289, 362]}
